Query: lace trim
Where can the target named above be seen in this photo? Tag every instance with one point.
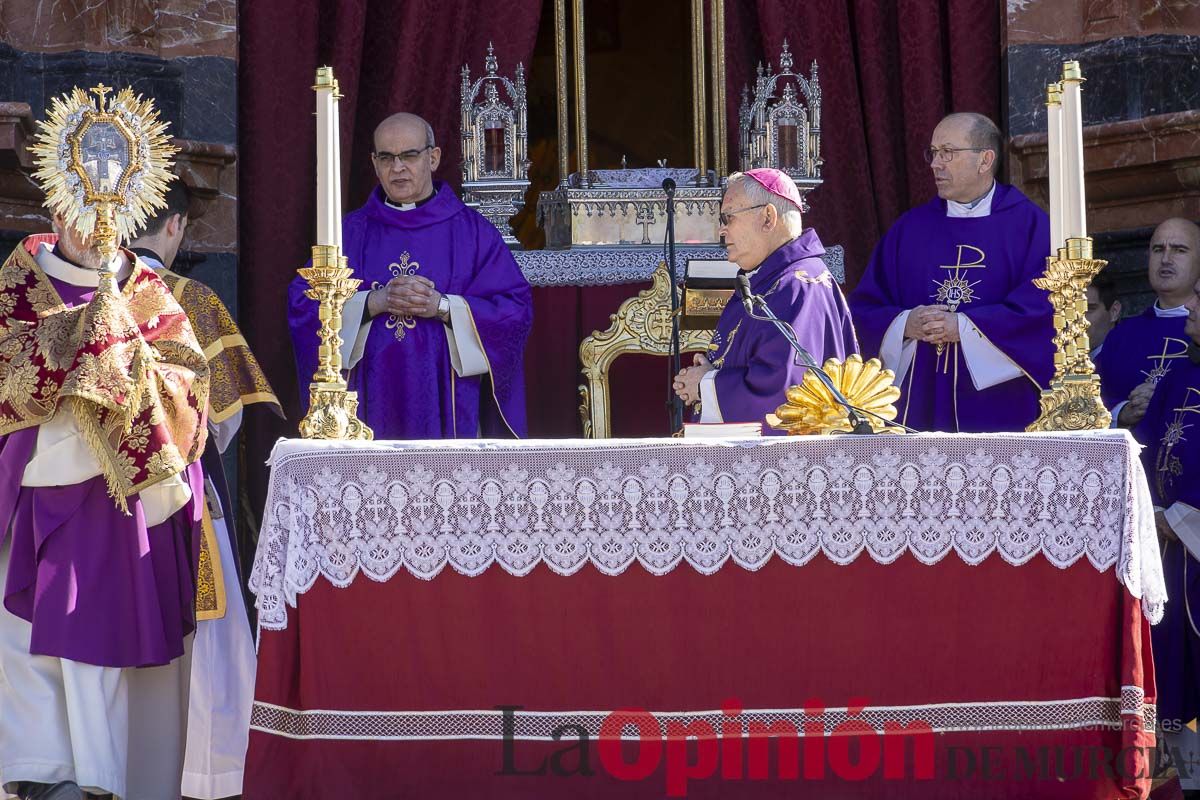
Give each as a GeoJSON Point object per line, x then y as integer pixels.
{"type": "Point", "coordinates": [613, 265]}
{"type": "Point", "coordinates": [335, 510]}
{"type": "Point", "coordinates": [488, 724]}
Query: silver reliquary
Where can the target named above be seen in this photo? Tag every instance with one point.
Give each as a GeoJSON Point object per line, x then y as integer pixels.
{"type": "Point", "coordinates": [495, 144]}
{"type": "Point", "coordinates": [781, 127]}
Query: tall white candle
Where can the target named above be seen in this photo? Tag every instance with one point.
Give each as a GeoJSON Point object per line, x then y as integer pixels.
{"type": "Point", "coordinates": [335, 194]}
{"type": "Point", "coordinates": [1075, 209]}
{"type": "Point", "coordinates": [1054, 164]}
{"type": "Point", "coordinates": [328, 225]}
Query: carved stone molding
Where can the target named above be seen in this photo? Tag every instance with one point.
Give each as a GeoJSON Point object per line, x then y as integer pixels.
{"type": "Point", "coordinates": [1138, 172]}
{"type": "Point", "coordinates": [206, 167]}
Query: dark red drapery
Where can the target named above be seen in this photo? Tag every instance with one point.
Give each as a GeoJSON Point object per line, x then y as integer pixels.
{"type": "Point", "coordinates": [889, 72]}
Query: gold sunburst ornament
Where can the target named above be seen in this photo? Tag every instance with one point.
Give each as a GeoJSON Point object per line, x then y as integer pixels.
{"type": "Point", "coordinates": [811, 409]}
{"type": "Point", "coordinates": [104, 164]}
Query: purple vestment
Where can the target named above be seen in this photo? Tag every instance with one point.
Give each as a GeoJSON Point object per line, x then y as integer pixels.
{"type": "Point", "coordinates": [406, 385]}
{"type": "Point", "coordinates": [755, 362]}
{"type": "Point", "coordinates": [1170, 431]}
{"type": "Point", "coordinates": [98, 586]}
{"type": "Point", "coordinates": [1139, 349]}
{"type": "Point", "coordinates": [982, 267]}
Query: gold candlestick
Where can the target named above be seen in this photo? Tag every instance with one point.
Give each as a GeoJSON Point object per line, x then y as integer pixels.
{"type": "Point", "coordinates": [332, 410]}
{"type": "Point", "coordinates": [1072, 403]}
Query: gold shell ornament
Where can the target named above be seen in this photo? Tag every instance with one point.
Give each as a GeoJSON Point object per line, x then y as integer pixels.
{"type": "Point", "coordinates": [103, 163]}
{"type": "Point", "coordinates": [811, 409]}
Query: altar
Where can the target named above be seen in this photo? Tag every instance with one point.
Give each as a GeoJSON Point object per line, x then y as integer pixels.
{"type": "Point", "coordinates": [917, 616]}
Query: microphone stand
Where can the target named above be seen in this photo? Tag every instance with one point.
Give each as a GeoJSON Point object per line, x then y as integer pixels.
{"type": "Point", "coordinates": [674, 403]}
{"type": "Point", "coordinates": [859, 424]}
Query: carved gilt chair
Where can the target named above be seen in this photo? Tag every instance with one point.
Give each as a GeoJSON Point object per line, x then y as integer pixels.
{"type": "Point", "coordinates": [642, 325]}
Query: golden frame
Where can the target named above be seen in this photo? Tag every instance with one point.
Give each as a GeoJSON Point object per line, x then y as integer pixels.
{"type": "Point", "coordinates": [700, 106]}
{"type": "Point", "coordinates": [642, 324]}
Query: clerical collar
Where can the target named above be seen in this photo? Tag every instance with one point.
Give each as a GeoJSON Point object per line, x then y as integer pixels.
{"type": "Point", "coordinates": [980, 207]}
{"type": "Point", "coordinates": [1177, 311]}
{"type": "Point", "coordinates": [152, 259]}
{"type": "Point", "coordinates": [54, 263]}
{"type": "Point", "coordinates": [408, 206]}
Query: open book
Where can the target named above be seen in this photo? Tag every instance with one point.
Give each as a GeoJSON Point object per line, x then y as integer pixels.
{"type": "Point", "coordinates": [721, 430]}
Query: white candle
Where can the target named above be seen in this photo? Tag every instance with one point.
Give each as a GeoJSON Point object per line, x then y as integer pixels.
{"type": "Point", "coordinates": [335, 194]}
{"type": "Point", "coordinates": [1075, 210]}
{"type": "Point", "coordinates": [1054, 164]}
{"type": "Point", "coordinates": [328, 225]}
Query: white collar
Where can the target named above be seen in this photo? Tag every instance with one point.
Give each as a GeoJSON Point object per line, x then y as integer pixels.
{"type": "Point", "coordinates": [67, 272]}
{"type": "Point", "coordinates": [1092, 355]}
{"type": "Point", "coordinates": [400, 206]}
{"type": "Point", "coordinates": [1177, 311]}
{"type": "Point", "coordinates": [980, 208]}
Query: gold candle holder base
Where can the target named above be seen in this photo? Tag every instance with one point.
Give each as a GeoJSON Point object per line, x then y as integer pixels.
{"type": "Point", "coordinates": [332, 410]}
{"type": "Point", "coordinates": [1072, 402]}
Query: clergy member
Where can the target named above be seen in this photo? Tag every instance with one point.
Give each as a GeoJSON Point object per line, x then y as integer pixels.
{"type": "Point", "coordinates": [750, 366]}
{"type": "Point", "coordinates": [1103, 312]}
{"type": "Point", "coordinates": [948, 301]}
{"type": "Point", "coordinates": [102, 421]}
{"type": "Point", "coordinates": [1141, 351]}
{"type": "Point", "coordinates": [1170, 431]}
{"type": "Point", "coordinates": [223, 659]}
{"type": "Point", "coordinates": [435, 339]}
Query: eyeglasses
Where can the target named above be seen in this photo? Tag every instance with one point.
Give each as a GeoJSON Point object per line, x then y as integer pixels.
{"type": "Point", "coordinates": [947, 153]}
{"type": "Point", "coordinates": [409, 157]}
{"type": "Point", "coordinates": [727, 216]}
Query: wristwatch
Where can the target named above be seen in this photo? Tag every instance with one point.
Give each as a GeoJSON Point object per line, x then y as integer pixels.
{"type": "Point", "coordinates": [443, 311]}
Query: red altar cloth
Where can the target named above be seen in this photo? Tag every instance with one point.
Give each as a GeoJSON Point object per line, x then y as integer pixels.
{"type": "Point", "coordinates": [1032, 679]}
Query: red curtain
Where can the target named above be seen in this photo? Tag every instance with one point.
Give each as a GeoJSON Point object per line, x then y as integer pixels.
{"type": "Point", "coordinates": [387, 57]}
{"type": "Point", "coordinates": [889, 72]}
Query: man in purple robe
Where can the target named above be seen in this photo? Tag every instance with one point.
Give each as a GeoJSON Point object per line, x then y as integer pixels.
{"type": "Point", "coordinates": [435, 339]}
{"type": "Point", "coordinates": [746, 374]}
{"type": "Point", "coordinates": [1141, 351]}
{"type": "Point", "coordinates": [1170, 431]}
{"type": "Point", "coordinates": [102, 402]}
{"type": "Point", "coordinates": [948, 301]}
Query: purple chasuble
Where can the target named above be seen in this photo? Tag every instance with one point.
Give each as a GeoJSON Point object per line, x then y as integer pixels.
{"type": "Point", "coordinates": [407, 387]}
{"type": "Point", "coordinates": [1139, 349]}
{"type": "Point", "coordinates": [755, 362]}
{"type": "Point", "coordinates": [1170, 432]}
{"type": "Point", "coordinates": [98, 586]}
{"type": "Point", "coordinates": [982, 267]}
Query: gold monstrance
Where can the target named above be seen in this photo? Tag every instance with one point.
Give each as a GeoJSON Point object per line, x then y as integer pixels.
{"type": "Point", "coordinates": [332, 410]}
{"type": "Point", "coordinates": [1072, 403]}
{"type": "Point", "coordinates": [104, 165]}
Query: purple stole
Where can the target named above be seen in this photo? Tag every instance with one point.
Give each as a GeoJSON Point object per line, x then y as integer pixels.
{"type": "Point", "coordinates": [755, 361]}
{"type": "Point", "coordinates": [983, 267]}
{"type": "Point", "coordinates": [1170, 432]}
{"type": "Point", "coordinates": [407, 388]}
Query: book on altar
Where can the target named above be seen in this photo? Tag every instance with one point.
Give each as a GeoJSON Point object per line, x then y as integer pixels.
{"type": "Point", "coordinates": [721, 430]}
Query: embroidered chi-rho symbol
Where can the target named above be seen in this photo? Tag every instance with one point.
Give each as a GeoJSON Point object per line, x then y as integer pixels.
{"type": "Point", "coordinates": [1167, 466]}
{"type": "Point", "coordinates": [1172, 348]}
{"type": "Point", "coordinates": [399, 325]}
{"type": "Point", "coordinates": [956, 289]}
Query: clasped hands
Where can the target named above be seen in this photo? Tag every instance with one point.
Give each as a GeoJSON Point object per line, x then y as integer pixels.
{"type": "Point", "coordinates": [405, 296]}
{"type": "Point", "coordinates": [687, 382]}
{"type": "Point", "coordinates": [1135, 408]}
{"type": "Point", "coordinates": [933, 324]}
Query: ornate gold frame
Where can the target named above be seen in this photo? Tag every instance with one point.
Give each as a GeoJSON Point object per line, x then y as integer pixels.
{"type": "Point", "coordinates": [642, 324]}
{"type": "Point", "coordinates": [700, 106]}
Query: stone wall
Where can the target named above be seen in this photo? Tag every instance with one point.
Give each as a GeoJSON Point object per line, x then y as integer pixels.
{"type": "Point", "coordinates": [1141, 108]}
{"type": "Point", "coordinates": [183, 54]}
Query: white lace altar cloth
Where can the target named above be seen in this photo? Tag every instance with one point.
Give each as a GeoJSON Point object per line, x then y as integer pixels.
{"type": "Point", "coordinates": [340, 508]}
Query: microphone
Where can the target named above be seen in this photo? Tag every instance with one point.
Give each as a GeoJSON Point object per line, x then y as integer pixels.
{"type": "Point", "coordinates": [668, 186]}
{"type": "Point", "coordinates": [743, 291]}
{"type": "Point", "coordinates": [859, 423]}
